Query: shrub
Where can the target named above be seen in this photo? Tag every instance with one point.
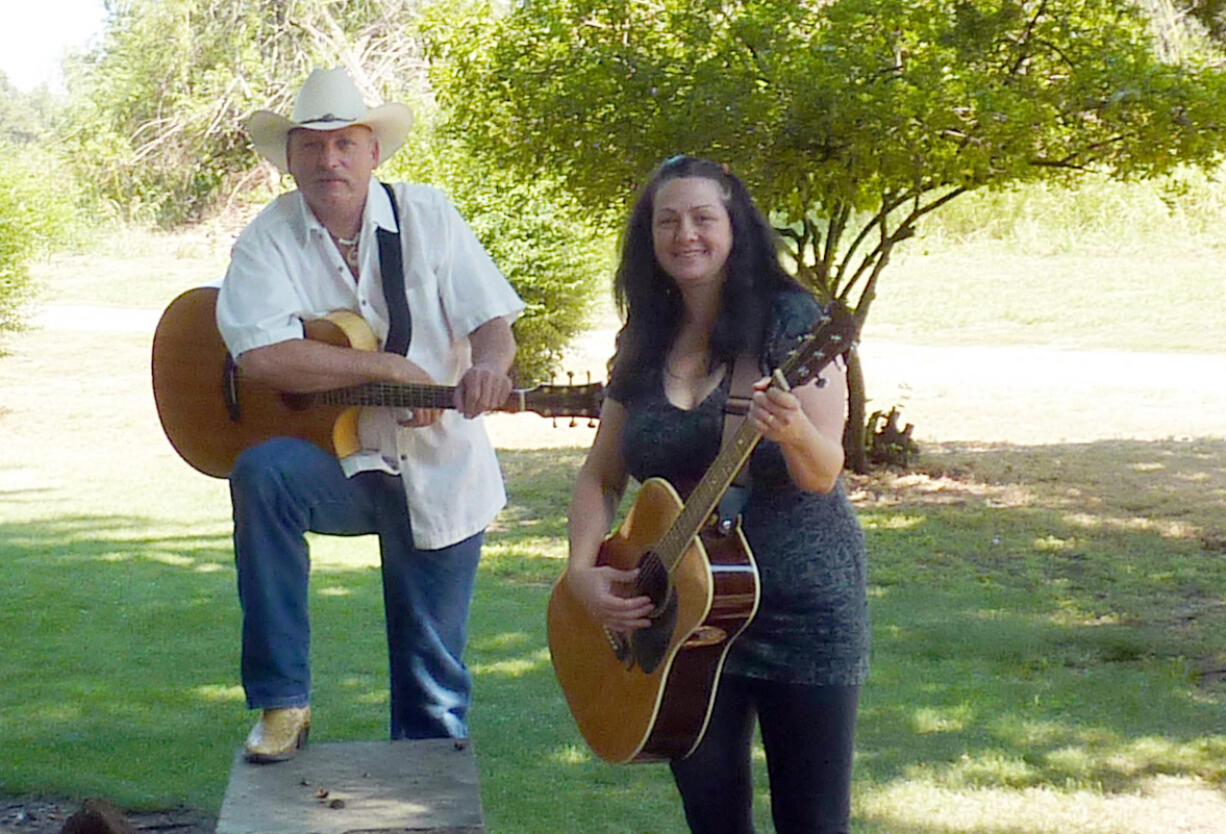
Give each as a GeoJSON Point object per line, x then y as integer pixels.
{"type": "Point", "coordinates": [552, 253]}
{"type": "Point", "coordinates": [36, 214]}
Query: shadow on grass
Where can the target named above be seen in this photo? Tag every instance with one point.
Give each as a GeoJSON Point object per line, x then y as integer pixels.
{"type": "Point", "coordinates": [1043, 616]}
{"type": "Point", "coordinates": [1048, 615]}
{"type": "Point", "coordinates": [119, 665]}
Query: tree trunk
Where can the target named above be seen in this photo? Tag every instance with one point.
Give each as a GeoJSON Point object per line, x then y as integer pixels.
{"type": "Point", "coordinates": [854, 446]}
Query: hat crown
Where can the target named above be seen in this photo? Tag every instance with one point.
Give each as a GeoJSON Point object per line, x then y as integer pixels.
{"type": "Point", "coordinates": [328, 95]}
{"type": "Point", "coordinates": [328, 100]}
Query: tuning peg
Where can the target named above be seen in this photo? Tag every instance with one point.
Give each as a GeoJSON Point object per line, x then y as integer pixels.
{"type": "Point", "coordinates": [553, 418]}
{"type": "Point", "coordinates": [591, 421]}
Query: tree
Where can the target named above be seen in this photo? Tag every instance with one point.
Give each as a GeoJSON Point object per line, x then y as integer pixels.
{"type": "Point", "coordinates": [540, 239]}
{"type": "Point", "coordinates": [156, 108]}
{"type": "Point", "coordinates": [850, 119]}
{"type": "Point", "coordinates": [156, 128]}
{"type": "Point", "coordinates": [1210, 13]}
{"type": "Point", "coordinates": [36, 208]}
{"type": "Point", "coordinates": [24, 117]}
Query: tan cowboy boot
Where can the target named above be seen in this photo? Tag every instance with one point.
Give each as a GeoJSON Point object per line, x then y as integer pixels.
{"type": "Point", "coordinates": [278, 735]}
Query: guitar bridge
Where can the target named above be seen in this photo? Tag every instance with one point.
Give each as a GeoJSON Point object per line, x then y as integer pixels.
{"type": "Point", "coordinates": [620, 646]}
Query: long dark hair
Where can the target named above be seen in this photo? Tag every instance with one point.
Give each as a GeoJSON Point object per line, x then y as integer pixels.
{"type": "Point", "coordinates": [650, 302]}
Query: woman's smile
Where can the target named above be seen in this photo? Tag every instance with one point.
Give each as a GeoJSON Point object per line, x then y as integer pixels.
{"type": "Point", "coordinates": [691, 231]}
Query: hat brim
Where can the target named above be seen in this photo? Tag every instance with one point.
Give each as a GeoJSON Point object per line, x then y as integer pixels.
{"type": "Point", "coordinates": [269, 131]}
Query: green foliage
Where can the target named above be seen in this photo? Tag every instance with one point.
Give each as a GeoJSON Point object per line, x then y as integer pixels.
{"type": "Point", "coordinates": [156, 109]}
{"type": "Point", "coordinates": [25, 117]}
{"type": "Point", "coordinates": [36, 210]}
{"type": "Point", "coordinates": [851, 120]}
{"type": "Point", "coordinates": [1210, 13]}
{"type": "Point", "coordinates": [540, 238]}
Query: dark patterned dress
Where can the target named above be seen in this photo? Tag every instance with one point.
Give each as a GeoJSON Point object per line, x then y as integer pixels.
{"type": "Point", "coordinates": [812, 625]}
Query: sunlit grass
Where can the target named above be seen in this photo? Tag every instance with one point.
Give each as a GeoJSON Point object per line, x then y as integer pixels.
{"type": "Point", "coordinates": [1047, 618]}
{"type": "Point", "coordinates": [1020, 655]}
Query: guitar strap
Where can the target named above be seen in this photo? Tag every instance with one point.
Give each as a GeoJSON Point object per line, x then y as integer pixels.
{"type": "Point", "coordinates": [391, 266]}
{"type": "Point", "coordinates": [740, 394]}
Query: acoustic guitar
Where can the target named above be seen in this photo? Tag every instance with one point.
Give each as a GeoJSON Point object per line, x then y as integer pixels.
{"type": "Point", "coordinates": [210, 413]}
{"type": "Point", "coordinates": [647, 696]}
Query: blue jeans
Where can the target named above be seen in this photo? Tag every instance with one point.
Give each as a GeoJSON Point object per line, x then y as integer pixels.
{"type": "Point", "coordinates": [283, 488]}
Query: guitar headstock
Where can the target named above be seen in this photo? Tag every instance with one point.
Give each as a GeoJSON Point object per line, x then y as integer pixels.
{"type": "Point", "coordinates": [565, 400]}
{"type": "Point", "coordinates": [832, 335]}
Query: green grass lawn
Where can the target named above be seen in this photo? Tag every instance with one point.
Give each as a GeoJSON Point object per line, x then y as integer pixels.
{"type": "Point", "coordinates": [1025, 640]}
{"type": "Point", "coordinates": [1048, 620]}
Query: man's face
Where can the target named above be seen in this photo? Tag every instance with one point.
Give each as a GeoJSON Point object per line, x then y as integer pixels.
{"type": "Point", "coordinates": [332, 167]}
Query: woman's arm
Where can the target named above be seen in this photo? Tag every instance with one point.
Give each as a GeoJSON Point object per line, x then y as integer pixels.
{"type": "Point", "coordinates": [807, 423]}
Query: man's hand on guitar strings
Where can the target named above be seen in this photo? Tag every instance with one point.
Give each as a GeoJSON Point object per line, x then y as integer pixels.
{"type": "Point", "coordinates": [481, 389]}
{"type": "Point", "coordinates": [419, 418]}
{"type": "Point", "coordinates": [603, 590]}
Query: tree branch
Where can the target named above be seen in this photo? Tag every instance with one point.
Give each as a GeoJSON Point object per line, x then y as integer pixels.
{"type": "Point", "coordinates": [1026, 36]}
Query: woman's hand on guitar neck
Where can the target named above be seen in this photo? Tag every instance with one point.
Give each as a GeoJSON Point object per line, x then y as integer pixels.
{"type": "Point", "coordinates": [605, 591]}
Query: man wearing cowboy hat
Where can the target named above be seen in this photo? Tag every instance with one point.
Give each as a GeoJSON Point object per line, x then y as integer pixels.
{"type": "Point", "coordinates": [427, 482]}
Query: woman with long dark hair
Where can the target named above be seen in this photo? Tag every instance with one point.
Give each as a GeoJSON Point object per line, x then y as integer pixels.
{"type": "Point", "coordinates": [700, 285]}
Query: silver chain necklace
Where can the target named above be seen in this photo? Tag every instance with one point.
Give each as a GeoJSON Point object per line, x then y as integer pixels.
{"type": "Point", "coordinates": [349, 251]}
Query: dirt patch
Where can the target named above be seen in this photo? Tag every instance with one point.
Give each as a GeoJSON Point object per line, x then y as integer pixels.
{"type": "Point", "coordinates": [42, 815]}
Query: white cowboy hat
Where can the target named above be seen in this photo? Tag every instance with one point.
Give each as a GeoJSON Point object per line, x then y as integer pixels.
{"type": "Point", "coordinates": [328, 100]}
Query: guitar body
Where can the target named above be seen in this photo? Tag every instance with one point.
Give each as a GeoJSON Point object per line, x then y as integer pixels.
{"type": "Point", "coordinates": [210, 413]}
{"type": "Point", "coordinates": [190, 377]}
{"type": "Point", "coordinates": [627, 714]}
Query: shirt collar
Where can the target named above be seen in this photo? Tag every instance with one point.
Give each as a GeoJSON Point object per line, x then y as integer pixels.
{"type": "Point", "coordinates": [378, 211]}
{"type": "Point", "coordinates": [379, 207]}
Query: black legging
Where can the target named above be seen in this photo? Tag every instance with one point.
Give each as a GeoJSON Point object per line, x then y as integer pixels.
{"type": "Point", "coordinates": [807, 732]}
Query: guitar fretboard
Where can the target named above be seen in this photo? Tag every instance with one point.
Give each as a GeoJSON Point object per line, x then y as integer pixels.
{"type": "Point", "coordinates": [391, 394]}
{"type": "Point", "coordinates": [545, 400]}
{"type": "Point", "coordinates": [706, 496]}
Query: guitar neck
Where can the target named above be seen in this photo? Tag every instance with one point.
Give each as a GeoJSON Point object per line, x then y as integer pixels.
{"type": "Point", "coordinates": [706, 496]}
{"type": "Point", "coordinates": [410, 395]}
{"type": "Point", "coordinates": [389, 394]}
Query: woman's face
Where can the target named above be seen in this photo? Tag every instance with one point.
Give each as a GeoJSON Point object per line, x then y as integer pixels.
{"type": "Point", "coordinates": [691, 231]}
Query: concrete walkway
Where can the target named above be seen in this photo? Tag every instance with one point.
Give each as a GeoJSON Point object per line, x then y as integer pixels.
{"type": "Point", "coordinates": [1025, 394]}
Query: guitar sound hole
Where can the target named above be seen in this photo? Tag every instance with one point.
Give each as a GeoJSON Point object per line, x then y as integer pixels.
{"type": "Point", "coordinates": [653, 580]}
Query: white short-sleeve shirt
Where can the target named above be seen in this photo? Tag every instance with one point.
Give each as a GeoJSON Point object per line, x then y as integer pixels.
{"type": "Point", "coordinates": [285, 269]}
